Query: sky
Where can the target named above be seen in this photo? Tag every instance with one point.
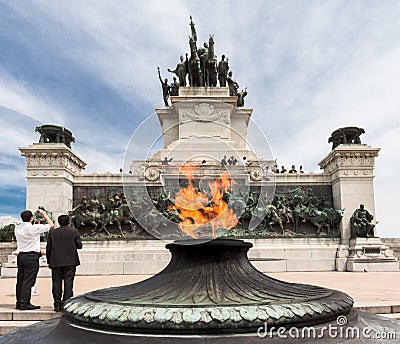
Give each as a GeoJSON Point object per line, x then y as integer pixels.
{"type": "Point", "coordinates": [310, 67]}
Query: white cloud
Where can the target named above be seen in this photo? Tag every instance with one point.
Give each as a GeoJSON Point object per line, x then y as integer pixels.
{"type": "Point", "coordinates": [20, 98]}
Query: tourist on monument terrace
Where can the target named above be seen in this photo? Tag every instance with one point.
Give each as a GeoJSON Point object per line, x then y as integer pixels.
{"type": "Point", "coordinates": [275, 169]}
{"type": "Point", "coordinates": [232, 160]}
{"type": "Point", "coordinates": [283, 169]}
{"type": "Point", "coordinates": [301, 169]}
{"type": "Point", "coordinates": [223, 161]}
{"type": "Point", "coordinates": [28, 248]}
{"type": "Point", "coordinates": [166, 161]}
{"type": "Point", "coordinates": [293, 169]}
{"type": "Point", "coordinates": [245, 162]}
{"type": "Point", "coordinates": [62, 257]}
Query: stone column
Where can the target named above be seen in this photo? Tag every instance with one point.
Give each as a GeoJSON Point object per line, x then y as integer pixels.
{"type": "Point", "coordinates": [351, 169]}
{"type": "Point", "coordinates": [50, 171]}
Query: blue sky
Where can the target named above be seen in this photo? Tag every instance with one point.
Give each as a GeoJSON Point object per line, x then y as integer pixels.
{"type": "Point", "coordinates": [310, 67]}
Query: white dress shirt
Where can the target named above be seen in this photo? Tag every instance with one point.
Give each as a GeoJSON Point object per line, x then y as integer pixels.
{"type": "Point", "coordinates": [28, 236]}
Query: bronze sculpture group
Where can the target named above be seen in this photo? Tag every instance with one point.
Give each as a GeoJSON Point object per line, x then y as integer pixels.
{"type": "Point", "coordinates": [201, 69]}
{"type": "Point", "coordinates": [296, 212]}
{"type": "Point", "coordinates": [100, 215]}
{"type": "Point", "coordinates": [293, 210]}
{"type": "Point", "coordinates": [346, 135]}
{"type": "Point", "coordinates": [54, 134]}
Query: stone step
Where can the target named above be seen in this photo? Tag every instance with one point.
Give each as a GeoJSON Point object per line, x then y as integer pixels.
{"type": "Point", "coordinates": [133, 257]}
{"type": "Point", "coordinates": [12, 319]}
{"type": "Point", "coordinates": [141, 266]}
{"type": "Point", "coordinates": [9, 325]}
{"type": "Point", "coordinates": [395, 316]}
{"type": "Point", "coordinates": [148, 267]}
{"type": "Point", "coordinates": [154, 255]}
{"type": "Point", "coordinates": [380, 308]}
{"type": "Point", "coordinates": [109, 255]}
{"type": "Point", "coordinates": [34, 315]}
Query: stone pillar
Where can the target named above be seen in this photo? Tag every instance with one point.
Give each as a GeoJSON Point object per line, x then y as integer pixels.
{"type": "Point", "coordinates": [50, 170]}
{"type": "Point", "coordinates": [351, 169]}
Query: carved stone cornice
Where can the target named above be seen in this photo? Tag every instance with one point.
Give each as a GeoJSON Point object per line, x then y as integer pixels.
{"type": "Point", "coordinates": [351, 158]}
{"type": "Point", "coordinates": [51, 157]}
{"type": "Point", "coordinates": [152, 171]}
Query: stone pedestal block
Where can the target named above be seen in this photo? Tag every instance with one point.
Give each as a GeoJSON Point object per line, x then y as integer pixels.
{"type": "Point", "coordinates": [204, 124]}
{"type": "Point", "coordinates": [371, 254]}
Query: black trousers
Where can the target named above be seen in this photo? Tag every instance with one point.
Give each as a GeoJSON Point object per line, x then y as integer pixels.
{"type": "Point", "coordinates": [28, 268]}
{"type": "Point", "coordinates": [66, 273]}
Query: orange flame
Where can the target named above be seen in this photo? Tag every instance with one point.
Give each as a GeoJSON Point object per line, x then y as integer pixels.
{"type": "Point", "coordinates": [200, 209]}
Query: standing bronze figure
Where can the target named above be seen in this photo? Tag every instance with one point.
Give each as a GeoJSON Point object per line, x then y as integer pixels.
{"type": "Point", "coordinates": [222, 70]}
{"type": "Point", "coordinates": [211, 65]}
{"type": "Point", "coordinates": [165, 87]}
{"type": "Point", "coordinates": [195, 75]}
{"type": "Point", "coordinates": [174, 88]}
{"type": "Point", "coordinates": [181, 71]}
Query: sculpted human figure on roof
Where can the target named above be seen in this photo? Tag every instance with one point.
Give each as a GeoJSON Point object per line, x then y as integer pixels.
{"type": "Point", "coordinates": [203, 70]}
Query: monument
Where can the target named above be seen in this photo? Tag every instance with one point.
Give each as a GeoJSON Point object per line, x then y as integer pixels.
{"type": "Point", "coordinates": [209, 292]}
{"type": "Point", "coordinates": [297, 222]}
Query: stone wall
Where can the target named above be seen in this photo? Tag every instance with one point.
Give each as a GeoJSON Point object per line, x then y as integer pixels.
{"type": "Point", "coordinates": [394, 244]}
{"type": "Point", "coordinates": [6, 248]}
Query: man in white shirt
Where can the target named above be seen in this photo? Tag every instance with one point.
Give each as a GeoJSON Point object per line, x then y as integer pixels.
{"type": "Point", "coordinates": [28, 247]}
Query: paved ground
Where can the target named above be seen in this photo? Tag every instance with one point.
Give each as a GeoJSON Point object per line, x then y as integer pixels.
{"type": "Point", "coordinates": [369, 288]}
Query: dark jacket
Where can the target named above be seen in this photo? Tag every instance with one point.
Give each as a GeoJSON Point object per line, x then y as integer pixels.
{"type": "Point", "coordinates": [61, 248]}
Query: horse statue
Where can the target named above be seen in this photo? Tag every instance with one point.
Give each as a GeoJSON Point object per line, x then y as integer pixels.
{"type": "Point", "coordinates": [90, 213]}
{"type": "Point", "coordinates": [317, 217]}
{"type": "Point", "coordinates": [124, 217]}
{"type": "Point", "coordinates": [285, 213]}
{"type": "Point", "coordinates": [210, 67]}
{"type": "Point", "coordinates": [268, 215]}
{"type": "Point", "coordinates": [238, 206]}
{"type": "Point", "coordinates": [195, 75]}
{"type": "Point", "coordinates": [334, 218]}
{"type": "Point", "coordinates": [95, 216]}
{"type": "Point", "coordinates": [272, 217]}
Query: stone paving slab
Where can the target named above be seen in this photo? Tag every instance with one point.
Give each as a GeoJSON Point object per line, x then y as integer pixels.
{"type": "Point", "coordinates": [367, 289]}
{"type": "Point", "coordinates": [8, 326]}
{"type": "Point", "coordinates": [395, 316]}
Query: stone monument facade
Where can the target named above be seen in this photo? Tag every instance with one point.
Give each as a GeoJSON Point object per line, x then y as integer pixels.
{"type": "Point", "coordinates": [202, 125]}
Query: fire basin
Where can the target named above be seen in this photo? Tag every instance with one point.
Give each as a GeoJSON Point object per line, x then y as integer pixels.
{"type": "Point", "coordinates": [209, 294]}
{"type": "Point", "coordinates": [207, 288]}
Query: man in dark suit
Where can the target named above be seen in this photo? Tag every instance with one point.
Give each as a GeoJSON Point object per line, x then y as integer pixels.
{"type": "Point", "coordinates": [62, 257]}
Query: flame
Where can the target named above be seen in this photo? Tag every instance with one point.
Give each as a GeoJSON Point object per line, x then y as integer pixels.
{"type": "Point", "coordinates": [200, 209]}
